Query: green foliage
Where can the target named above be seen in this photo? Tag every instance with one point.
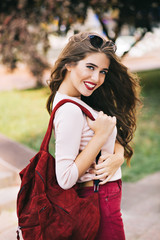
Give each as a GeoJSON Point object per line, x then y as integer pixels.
{"type": "Point", "coordinates": [146, 158]}
{"type": "Point", "coordinates": [24, 117]}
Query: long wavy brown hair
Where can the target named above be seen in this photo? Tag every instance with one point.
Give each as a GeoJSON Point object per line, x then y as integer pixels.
{"type": "Point", "coordinates": [117, 96]}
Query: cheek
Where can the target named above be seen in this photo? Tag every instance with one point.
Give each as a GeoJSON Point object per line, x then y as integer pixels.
{"type": "Point", "coordinates": [80, 74]}
{"type": "Point", "coordinates": [76, 76]}
{"type": "Point", "coordinates": [102, 79]}
{"type": "Point", "coordinates": [83, 72]}
{"type": "Point", "coordinates": [100, 83]}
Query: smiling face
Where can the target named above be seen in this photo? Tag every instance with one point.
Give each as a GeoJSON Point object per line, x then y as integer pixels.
{"type": "Point", "coordinates": [86, 76]}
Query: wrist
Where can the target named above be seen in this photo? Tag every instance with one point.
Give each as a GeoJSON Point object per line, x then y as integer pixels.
{"type": "Point", "coordinates": [100, 138]}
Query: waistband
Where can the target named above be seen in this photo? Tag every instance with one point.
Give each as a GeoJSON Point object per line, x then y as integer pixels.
{"type": "Point", "coordinates": [91, 183]}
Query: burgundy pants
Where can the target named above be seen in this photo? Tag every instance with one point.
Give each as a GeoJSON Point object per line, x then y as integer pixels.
{"type": "Point", "coordinates": [111, 224]}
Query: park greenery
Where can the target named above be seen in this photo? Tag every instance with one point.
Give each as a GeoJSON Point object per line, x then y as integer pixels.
{"type": "Point", "coordinates": [24, 118]}
{"type": "Point", "coordinates": [25, 26]}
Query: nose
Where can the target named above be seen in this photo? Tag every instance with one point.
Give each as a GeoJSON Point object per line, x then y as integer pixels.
{"type": "Point", "coordinates": [95, 76]}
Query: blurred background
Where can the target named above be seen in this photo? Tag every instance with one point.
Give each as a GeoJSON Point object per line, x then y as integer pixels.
{"type": "Point", "coordinates": [32, 34]}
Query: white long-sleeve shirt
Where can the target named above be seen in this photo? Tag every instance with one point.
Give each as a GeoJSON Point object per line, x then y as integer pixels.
{"type": "Point", "coordinates": [72, 134]}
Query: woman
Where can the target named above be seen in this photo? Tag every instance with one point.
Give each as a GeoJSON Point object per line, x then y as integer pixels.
{"type": "Point", "coordinates": [89, 72]}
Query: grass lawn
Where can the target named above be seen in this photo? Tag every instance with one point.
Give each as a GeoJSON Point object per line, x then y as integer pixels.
{"type": "Point", "coordinates": [146, 158]}
{"type": "Point", "coordinates": [23, 117]}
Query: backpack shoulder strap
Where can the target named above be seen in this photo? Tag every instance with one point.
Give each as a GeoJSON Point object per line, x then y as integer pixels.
{"type": "Point", "coordinates": [46, 140]}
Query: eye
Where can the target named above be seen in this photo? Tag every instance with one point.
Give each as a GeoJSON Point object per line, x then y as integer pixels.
{"type": "Point", "coordinates": [90, 67]}
{"type": "Point", "coordinates": [103, 72]}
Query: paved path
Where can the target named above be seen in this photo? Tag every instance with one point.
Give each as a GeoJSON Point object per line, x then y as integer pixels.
{"type": "Point", "coordinates": [141, 208]}
{"type": "Point", "coordinates": [13, 157]}
{"type": "Point", "coordinates": [140, 201]}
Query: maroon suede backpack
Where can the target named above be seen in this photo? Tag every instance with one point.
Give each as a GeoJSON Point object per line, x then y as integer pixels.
{"type": "Point", "coordinates": [46, 211]}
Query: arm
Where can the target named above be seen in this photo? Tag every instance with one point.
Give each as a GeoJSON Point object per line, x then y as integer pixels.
{"type": "Point", "coordinates": [119, 150]}
{"type": "Point", "coordinates": [70, 165]}
{"type": "Point", "coordinates": [102, 127]}
{"type": "Point", "coordinates": [108, 164]}
{"type": "Point", "coordinates": [68, 126]}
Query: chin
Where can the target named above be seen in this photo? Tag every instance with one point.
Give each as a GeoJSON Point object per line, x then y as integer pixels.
{"type": "Point", "coordinates": [87, 94]}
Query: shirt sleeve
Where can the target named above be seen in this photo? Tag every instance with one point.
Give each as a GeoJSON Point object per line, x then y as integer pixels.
{"type": "Point", "coordinates": [68, 125]}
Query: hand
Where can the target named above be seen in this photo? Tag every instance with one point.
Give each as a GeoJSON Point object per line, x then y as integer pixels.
{"type": "Point", "coordinates": [103, 125]}
{"type": "Point", "coordinates": [107, 165]}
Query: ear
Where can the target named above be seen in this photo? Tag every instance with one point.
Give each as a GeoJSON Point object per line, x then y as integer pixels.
{"type": "Point", "coordinates": [68, 66]}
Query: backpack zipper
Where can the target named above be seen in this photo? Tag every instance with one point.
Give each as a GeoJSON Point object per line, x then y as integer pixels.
{"type": "Point", "coordinates": [40, 175]}
{"type": "Point", "coordinates": [62, 209]}
{"type": "Point", "coordinates": [22, 188]}
{"type": "Point", "coordinates": [23, 227]}
{"type": "Point", "coordinates": [57, 206]}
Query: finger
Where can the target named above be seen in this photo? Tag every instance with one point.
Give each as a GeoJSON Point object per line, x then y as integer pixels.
{"type": "Point", "coordinates": [103, 182]}
{"type": "Point", "coordinates": [100, 165]}
{"type": "Point", "coordinates": [106, 180]}
{"type": "Point", "coordinates": [101, 176]}
{"type": "Point", "coordinates": [100, 160]}
{"type": "Point", "coordinates": [100, 113]}
{"type": "Point", "coordinates": [105, 164]}
{"type": "Point", "coordinates": [104, 157]}
{"type": "Point", "coordinates": [89, 121]}
{"type": "Point", "coordinates": [101, 171]}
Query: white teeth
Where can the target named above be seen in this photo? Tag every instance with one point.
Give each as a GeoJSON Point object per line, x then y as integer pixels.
{"type": "Point", "coordinates": [90, 85]}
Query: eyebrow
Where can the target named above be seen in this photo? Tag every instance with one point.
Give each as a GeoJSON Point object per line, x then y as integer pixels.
{"type": "Point", "coordinates": [97, 66]}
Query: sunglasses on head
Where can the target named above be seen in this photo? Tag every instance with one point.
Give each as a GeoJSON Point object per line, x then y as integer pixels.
{"type": "Point", "coordinates": [97, 42]}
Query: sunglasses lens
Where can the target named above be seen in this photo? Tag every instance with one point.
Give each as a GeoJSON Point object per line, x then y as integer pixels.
{"type": "Point", "coordinates": [96, 41]}
{"type": "Point", "coordinates": [111, 44]}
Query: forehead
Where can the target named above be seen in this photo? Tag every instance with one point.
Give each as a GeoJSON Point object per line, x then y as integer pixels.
{"type": "Point", "coordinates": [99, 59]}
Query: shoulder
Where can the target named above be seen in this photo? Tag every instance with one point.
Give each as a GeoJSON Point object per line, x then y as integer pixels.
{"type": "Point", "coordinates": [70, 109]}
{"type": "Point", "coordinates": [67, 107]}
{"type": "Point", "coordinates": [69, 115]}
